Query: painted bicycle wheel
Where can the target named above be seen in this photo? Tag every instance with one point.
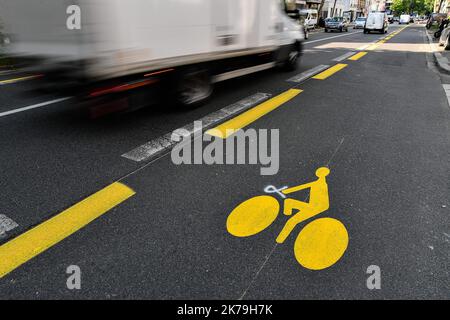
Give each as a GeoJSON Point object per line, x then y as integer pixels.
{"type": "Point", "coordinates": [321, 243]}
{"type": "Point", "coordinates": [253, 216]}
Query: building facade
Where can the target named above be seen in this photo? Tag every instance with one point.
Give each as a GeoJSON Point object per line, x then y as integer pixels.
{"type": "Point", "coordinates": [329, 5]}
{"type": "Point", "coordinates": [351, 9]}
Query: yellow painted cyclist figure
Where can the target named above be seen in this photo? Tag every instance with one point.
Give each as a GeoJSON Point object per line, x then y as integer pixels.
{"type": "Point", "coordinates": [319, 245]}
{"type": "Point", "coordinates": [318, 202]}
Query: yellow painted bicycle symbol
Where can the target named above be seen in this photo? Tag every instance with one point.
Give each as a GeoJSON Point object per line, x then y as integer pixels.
{"type": "Point", "coordinates": [319, 245]}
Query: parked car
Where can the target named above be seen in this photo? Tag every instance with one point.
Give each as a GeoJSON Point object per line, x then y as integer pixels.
{"type": "Point", "coordinates": [376, 21]}
{"type": "Point", "coordinates": [360, 23]}
{"type": "Point", "coordinates": [404, 19]}
{"type": "Point", "coordinates": [337, 23]}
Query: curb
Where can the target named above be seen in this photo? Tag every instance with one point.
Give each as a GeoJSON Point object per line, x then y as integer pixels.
{"type": "Point", "coordinates": [441, 61]}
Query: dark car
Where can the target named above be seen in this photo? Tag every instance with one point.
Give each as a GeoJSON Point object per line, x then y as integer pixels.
{"type": "Point", "coordinates": [336, 23]}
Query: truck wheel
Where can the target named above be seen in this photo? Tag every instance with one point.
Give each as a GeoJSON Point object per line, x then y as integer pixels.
{"type": "Point", "coordinates": [194, 87]}
{"type": "Point", "coordinates": [365, 31]}
{"type": "Point", "coordinates": [291, 61]}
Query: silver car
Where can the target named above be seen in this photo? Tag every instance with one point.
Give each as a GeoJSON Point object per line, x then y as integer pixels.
{"type": "Point", "coordinates": [336, 23]}
{"type": "Point", "coordinates": [360, 23]}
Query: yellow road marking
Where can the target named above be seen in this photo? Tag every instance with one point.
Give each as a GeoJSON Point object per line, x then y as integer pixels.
{"type": "Point", "coordinates": [246, 219]}
{"type": "Point", "coordinates": [10, 81]}
{"type": "Point", "coordinates": [330, 71]}
{"type": "Point", "coordinates": [229, 127]}
{"type": "Point", "coordinates": [358, 56]}
{"type": "Point", "coordinates": [321, 243]}
{"type": "Point", "coordinates": [35, 241]}
{"type": "Point", "coordinates": [372, 47]}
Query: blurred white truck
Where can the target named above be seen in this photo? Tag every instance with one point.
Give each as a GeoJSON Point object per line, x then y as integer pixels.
{"type": "Point", "coordinates": [182, 46]}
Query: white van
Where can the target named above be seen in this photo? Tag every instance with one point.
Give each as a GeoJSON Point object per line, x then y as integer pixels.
{"type": "Point", "coordinates": [309, 16]}
{"type": "Point", "coordinates": [404, 19]}
{"type": "Point", "coordinates": [376, 21]}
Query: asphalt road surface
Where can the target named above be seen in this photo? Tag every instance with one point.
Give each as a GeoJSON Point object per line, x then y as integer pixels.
{"type": "Point", "coordinates": [381, 124]}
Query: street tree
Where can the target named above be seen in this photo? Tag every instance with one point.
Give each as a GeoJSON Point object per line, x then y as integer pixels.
{"type": "Point", "coordinates": [411, 6]}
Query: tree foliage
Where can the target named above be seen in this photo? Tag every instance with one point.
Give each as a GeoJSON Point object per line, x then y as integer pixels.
{"type": "Point", "coordinates": [412, 6]}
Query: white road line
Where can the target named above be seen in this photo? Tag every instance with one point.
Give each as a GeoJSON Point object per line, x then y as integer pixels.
{"type": "Point", "coordinates": [164, 143]}
{"type": "Point", "coordinates": [344, 56]}
{"type": "Point", "coordinates": [34, 106]}
{"type": "Point", "coordinates": [308, 73]}
{"type": "Point", "coordinates": [341, 35]}
{"type": "Point", "coordinates": [447, 92]}
{"type": "Point", "coordinates": [6, 224]}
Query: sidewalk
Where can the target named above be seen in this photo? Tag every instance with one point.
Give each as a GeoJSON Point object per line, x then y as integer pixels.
{"type": "Point", "coordinates": [441, 56]}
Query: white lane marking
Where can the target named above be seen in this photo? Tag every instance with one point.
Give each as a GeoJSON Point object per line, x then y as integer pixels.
{"type": "Point", "coordinates": [34, 106]}
{"type": "Point", "coordinates": [164, 143]}
{"type": "Point", "coordinates": [447, 92]}
{"type": "Point", "coordinates": [308, 73]}
{"type": "Point", "coordinates": [344, 56]}
{"type": "Point", "coordinates": [6, 224]}
{"type": "Point", "coordinates": [341, 35]}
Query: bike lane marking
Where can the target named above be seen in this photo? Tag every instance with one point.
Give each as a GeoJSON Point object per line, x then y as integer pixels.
{"type": "Point", "coordinates": [330, 71]}
{"type": "Point", "coordinates": [229, 127]}
{"type": "Point", "coordinates": [305, 75]}
{"type": "Point", "coordinates": [35, 241]}
{"type": "Point", "coordinates": [383, 40]}
{"type": "Point", "coordinates": [319, 244]}
{"type": "Point", "coordinates": [358, 56]}
{"type": "Point", "coordinates": [344, 56]}
{"type": "Point", "coordinates": [309, 257]}
{"type": "Point", "coordinates": [164, 143]}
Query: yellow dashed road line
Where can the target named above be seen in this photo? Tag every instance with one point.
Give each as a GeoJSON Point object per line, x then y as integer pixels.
{"type": "Point", "coordinates": [330, 71]}
{"type": "Point", "coordinates": [358, 56]}
{"type": "Point", "coordinates": [229, 127]}
{"type": "Point", "coordinates": [35, 241]}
